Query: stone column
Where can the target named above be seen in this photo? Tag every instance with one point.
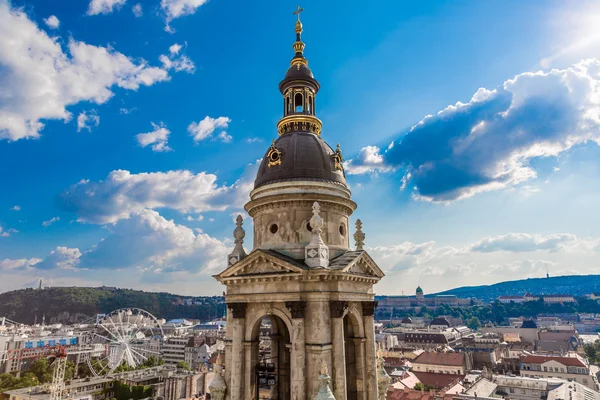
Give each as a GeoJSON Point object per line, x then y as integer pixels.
{"type": "Point", "coordinates": [368, 309]}
{"type": "Point", "coordinates": [228, 352]}
{"type": "Point", "coordinates": [317, 335]}
{"type": "Point", "coordinates": [359, 346]}
{"type": "Point", "coordinates": [251, 359]}
{"type": "Point", "coordinates": [238, 311]}
{"type": "Point", "coordinates": [337, 309]}
{"type": "Point", "coordinates": [298, 361]}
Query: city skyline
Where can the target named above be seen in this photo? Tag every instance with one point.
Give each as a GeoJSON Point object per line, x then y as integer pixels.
{"type": "Point", "coordinates": [131, 132]}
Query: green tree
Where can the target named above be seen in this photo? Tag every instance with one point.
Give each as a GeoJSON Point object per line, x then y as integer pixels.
{"type": "Point", "coordinates": [183, 365]}
{"type": "Point", "coordinates": [474, 323]}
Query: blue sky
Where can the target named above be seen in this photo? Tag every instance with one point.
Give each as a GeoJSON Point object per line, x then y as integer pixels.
{"type": "Point", "coordinates": [130, 132]}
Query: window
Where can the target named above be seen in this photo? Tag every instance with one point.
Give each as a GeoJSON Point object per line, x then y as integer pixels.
{"type": "Point", "coordinates": [545, 369]}
{"type": "Point", "coordinates": [298, 106]}
{"type": "Point", "coordinates": [511, 390]}
{"type": "Point", "coordinates": [585, 381]}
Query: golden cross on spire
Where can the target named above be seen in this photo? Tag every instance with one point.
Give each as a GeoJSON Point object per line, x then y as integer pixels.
{"type": "Point", "coordinates": [298, 11]}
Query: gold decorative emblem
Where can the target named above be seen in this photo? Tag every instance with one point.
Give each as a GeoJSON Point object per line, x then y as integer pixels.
{"type": "Point", "coordinates": [274, 155]}
{"type": "Point", "coordinates": [338, 159]}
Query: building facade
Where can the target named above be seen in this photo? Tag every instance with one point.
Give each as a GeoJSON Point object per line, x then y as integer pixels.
{"type": "Point", "coordinates": [302, 274]}
{"type": "Point", "coordinates": [569, 367]}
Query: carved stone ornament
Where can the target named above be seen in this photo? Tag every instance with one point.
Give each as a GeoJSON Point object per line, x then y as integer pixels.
{"type": "Point", "coordinates": [359, 236]}
{"type": "Point", "coordinates": [217, 386]}
{"type": "Point", "coordinates": [368, 308]}
{"type": "Point", "coordinates": [238, 234]}
{"type": "Point", "coordinates": [316, 252]}
{"type": "Point", "coordinates": [274, 155]}
{"type": "Point", "coordinates": [238, 309]}
{"type": "Point", "coordinates": [297, 308]}
{"type": "Point", "coordinates": [337, 308]}
{"type": "Point", "coordinates": [337, 158]}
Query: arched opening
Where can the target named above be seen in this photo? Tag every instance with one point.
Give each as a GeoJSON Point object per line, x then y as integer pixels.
{"type": "Point", "coordinates": [286, 105]}
{"type": "Point", "coordinates": [351, 360]}
{"type": "Point", "coordinates": [310, 105]}
{"type": "Point", "coordinates": [298, 102]}
{"type": "Point", "coordinates": [271, 369]}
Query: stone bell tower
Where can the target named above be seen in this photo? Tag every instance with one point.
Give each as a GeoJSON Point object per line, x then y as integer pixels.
{"type": "Point", "coordinates": [301, 274]}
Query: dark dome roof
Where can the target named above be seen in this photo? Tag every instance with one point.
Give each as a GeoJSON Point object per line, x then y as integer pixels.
{"type": "Point", "coordinates": [406, 320]}
{"type": "Point", "coordinates": [297, 72]}
{"type": "Point", "coordinates": [305, 157]}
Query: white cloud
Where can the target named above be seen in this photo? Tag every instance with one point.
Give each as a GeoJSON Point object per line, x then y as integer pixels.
{"type": "Point", "coordinates": [60, 258]}
{"type": "Point", "coordinates": [8, 232]}
{"type": "Point", "coordinates": [18, 264]}
{"type": "Point", "coordinates": [175, 48]}
{"type": "Point", "coordinates": [127, 111]}
{"type": "Point", "coordinates": [123, 193]}
{"type": "Point", "coordinates": [224, 137]}
{"type": "Point", "coordinates": [523, 242]}
{"type": "Point", "coordinates": [52, 22]}
{"type": "Point", "coordinates": [137, 10]}
{"type": "Point", "coordinates": [205, 128]}
{"type": "Point", "coordinates": [39, 80]}
{"type": "Point", "coordinates": [148, 241]}
{"type": "Point", "coordinates": [253, 140]}
{"type": "Point", "coordinates": [176, 62]}
{"type": "Point", "coordinates": [104, 6]}
{"type": "Point", "coordinates": [179, 8]}
{"type": "Point", "coordinates": [87, 121]}
{"type": "Point", "coordinates": [367, 160]}
{"type": "Point", "coordinates": [488, 143]}
{"type": "Point", "coordinates": [16, 208]}
{"type": "Point", "coordinates": [50, 221]}
{"type": "Point", "coordinates": [157, 138]}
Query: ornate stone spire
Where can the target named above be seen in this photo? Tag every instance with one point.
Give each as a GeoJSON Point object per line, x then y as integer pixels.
{"type": "Point", "coordinates": [238, 234]}
{"type": "Point", "coordinates": [316, 253]}
{"type": "Point", "coordinates": [324, 381]}
{"type": "Point", "coordinates": [217, 386]}
{"type": "Point", "coordinates": [383, 379]}
{"type": "Point", "coordinates": [359, 236]}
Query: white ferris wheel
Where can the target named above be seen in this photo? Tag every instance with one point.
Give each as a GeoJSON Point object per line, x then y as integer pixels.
{"type": "Point", "coordinates": [129, 336]}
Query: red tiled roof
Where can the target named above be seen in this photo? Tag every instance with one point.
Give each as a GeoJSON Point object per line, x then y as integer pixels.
{"type": "Point", "coordinates": [435, 358]}
{"type": "Point", "coordinates": [438, 381]}
{"type": "Point", "coordinates": [569, 361]}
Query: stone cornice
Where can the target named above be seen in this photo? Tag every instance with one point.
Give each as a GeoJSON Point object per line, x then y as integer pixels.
{"type": "Point", "coordinates": [283, 277]}
{"type": "Point", "coordinates": [293, 201]}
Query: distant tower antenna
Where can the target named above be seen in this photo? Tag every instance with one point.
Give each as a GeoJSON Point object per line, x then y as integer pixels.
{"type": "Point", "coordinates": [547, 273]}
{"type": "Point", "coordinates": [40, 284]}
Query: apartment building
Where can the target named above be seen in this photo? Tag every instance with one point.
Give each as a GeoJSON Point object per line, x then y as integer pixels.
{"type": "Point", "coordinates": [568, 367]}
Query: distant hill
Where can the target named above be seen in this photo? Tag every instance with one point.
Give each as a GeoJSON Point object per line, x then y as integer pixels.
{"type": "Point", "coordinates": [76, 304]}
{"type": "Point", "coordinates": [576, 285]}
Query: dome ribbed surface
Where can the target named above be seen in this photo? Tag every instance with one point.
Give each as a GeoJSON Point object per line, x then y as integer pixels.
{"type": "Point", "coordinates": [305, 157]}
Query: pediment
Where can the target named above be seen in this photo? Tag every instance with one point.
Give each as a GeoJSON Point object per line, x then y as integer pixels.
{"type": "Point", "coordinates": [364, 265]}
{"type": "Point", "coordinates": [260, 263]}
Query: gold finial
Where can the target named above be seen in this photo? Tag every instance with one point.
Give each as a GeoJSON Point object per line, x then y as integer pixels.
{"type": "Point", "coordinates": [298, 11]}
{"type": "Point", "coordinates": [298, 23]}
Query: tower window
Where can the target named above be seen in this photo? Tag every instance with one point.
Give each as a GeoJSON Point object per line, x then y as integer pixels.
{"type": "Point", "coordinates": [310, 105]}
{"type": "Point", "coordinates": [298, 102]}
{"type": "Point", "coordinates": [342, 230]}
{"type": "Point", "coordinates": [273, 228]}
{"type": "Point", "coordinates": [308, 227]}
